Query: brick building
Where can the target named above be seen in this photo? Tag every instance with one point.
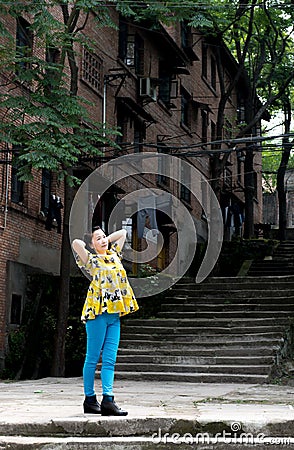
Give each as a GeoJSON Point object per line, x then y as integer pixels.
{"type": "Point", "coordinates": [161, 88]}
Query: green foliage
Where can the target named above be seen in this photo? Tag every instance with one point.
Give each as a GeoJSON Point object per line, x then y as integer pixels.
{"type": "Point", "coordinates": [270, 164]}
{"type": "Point", "coordinates": [47, 122]}
{"type": "Point", "coordinates": [30, 347]}
{"type": "Point", "coordinates": [14, 358]}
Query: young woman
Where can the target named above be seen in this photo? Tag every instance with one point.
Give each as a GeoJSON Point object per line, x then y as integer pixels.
{"type": "Point", "coordinates": [109, 297]}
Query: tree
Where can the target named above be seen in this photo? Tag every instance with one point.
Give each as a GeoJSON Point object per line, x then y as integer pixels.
{"type": "Point", "coordinates": [41, 113]}
{"type": "Point", "coordinates": [260, 37]}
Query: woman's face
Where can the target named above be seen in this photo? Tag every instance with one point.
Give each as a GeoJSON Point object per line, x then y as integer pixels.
{"type": "Point", "coordinates": [99, 241]}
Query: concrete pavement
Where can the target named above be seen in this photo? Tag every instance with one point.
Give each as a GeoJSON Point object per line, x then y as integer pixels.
{"type": "Point", "coordinates": [47, 414]}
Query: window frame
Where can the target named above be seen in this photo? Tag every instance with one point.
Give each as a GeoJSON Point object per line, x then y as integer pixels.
{"type": "Point", "coordinates": [46, 190]}
{"type": "Point", "coordinates": [92, 73]}
{"type": "Point", "coordinates": [17, 194]}
{"type": "Point", "coordinates": [185, 192]}
{"type": "Point", "coordinates": [23, 44]}
{"type": "Point", "coordinates": [162, 167]}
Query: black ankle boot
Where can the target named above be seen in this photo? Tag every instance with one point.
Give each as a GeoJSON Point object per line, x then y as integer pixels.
{"type": "Point", "coordinates": [110, 408]}
{"type": "Point", "coordinates": [91, 406]}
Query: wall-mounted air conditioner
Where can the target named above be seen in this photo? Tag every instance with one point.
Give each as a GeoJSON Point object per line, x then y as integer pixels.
{"type": "Point", "coordinates": [148, 89]}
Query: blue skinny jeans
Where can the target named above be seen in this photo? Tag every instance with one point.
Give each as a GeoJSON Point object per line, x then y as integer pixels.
{"type": "Point", "coordinates": [103, 334]}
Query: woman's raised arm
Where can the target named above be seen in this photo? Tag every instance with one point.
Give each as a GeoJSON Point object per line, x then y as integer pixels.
{"type": "Point", "coordinates": [118, 236]}
{"type": "Point", "coordinates": [79, 247]}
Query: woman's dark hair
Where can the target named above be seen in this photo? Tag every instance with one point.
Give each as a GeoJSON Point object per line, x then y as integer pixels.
{"type": "Point", "coordinates": [88, 236]}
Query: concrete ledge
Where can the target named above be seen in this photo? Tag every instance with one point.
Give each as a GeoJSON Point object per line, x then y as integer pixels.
{"type": "Point", "coordinates": [47, 414]}
{"type": "Point", "coordinates": [209, 424]}
{"type": "Point", "coordinates": [20, 443]}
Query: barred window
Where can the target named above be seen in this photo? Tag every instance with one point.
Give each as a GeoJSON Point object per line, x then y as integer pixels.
{"type": "Point", "coordinates": [92, 71]}
{"type": "Point", "coordinates": [24, 45]}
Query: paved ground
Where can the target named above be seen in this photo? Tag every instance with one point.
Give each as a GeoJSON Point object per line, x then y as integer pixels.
{"type": "Point", "coordinates": [52, 407]}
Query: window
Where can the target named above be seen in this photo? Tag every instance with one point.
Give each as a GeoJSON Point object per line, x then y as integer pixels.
{"type": "Point", "coordinates": [24, 45]}
{"type": "Point", "coordinates": [164, 89]}
{"type": "Point", "coordinates": [185, 193]}
{"type": "Point", "coordinates": [52, 58]}
{"type": "Point", "coordinates": [213, 73]}
{"type": "Point", "coordinates": [213, 133]}
{"type": "Point", "coordinates": [129, 57]}
{"type": "Point", "coordinates": [187, 41]}
{"type": "Point", "coordinates": [204, 125]}
{"type": "Point", "coordinates": [122, 124]}
{"type": "Point", "coordinates": [204, 59]}
{"type": "Point", "coordinates": [185, 35]}
{"type": "Point", "coordinates": [139, 55]}
{"type": "Point", "coordinates": [45, 190]}
{"type": "Point", "coordinates": [239, 169]}
{"type": "Point", "coordinates": [139, 135]}
{"type": "Point", "coordinates": [15, 309]}
{"type": "Point", "coordinates": [186, 107]}
{"type": "Point", "coordinates": [17, 186]}
{"type": "Point", "coordinates": [127, 225]}
{"type": "Point", "coordinates": [131, 48]}
{"type": "Point", "coordinates": [92, 71]}
{"type": "Point", "coordinates": [162, 177]}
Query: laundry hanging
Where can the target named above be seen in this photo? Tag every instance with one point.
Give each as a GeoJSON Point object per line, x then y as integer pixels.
{"type": "Point", "coordinates": [54, 212]}
{"type": "Point", "coordinates": [146, 208]}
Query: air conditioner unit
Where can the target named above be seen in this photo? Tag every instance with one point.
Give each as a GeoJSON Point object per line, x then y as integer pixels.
{"type": "Point", "coordinates": [148, 89]}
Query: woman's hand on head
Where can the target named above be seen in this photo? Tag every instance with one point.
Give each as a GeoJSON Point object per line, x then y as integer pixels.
{"type": "Point", "coordinates": [79, 247]}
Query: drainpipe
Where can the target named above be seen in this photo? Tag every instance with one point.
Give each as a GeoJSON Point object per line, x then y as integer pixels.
{"type": "Point", "coordinates": [104, 106]}
{"type": "Point", "coordinates": [6, 190]}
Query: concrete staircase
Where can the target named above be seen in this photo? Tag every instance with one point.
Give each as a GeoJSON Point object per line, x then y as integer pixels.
{"type": "Point", "coordinates": [223, 330]}
{"type": "Point", "coordinates": [282, 262]}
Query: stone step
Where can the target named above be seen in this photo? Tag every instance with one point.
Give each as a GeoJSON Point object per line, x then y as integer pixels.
{"type": "Point", "coordinates": [271, 272]}
{"type": "Point", "coordinates": [259, 288]}
{"type": "Point", "coordinates": [230, 350]}
{"type": "Point", "coordinates": [209, 294]}
{"type": "Point", "coordinates": [271, 262]}
{"type": "Point", "coordinates": [206, 337]}
{"type": "Point", "coordinates": [222, 302]}
{"type": "Point", "coordinates": [283, 281]}
{"type": "Point", "coordinates": [184, 359]}
{"type": "Point", "coordinates": [271, 269]}
{"type": "Point", "coordinates": [262, 369]}
{"type": "Point", "coordinates": [193, 377]}
{"type": "Point", "coordinates": [284, 252]}
{"type": "Point", "coordinates": [201, 330]}
{"type": "Point", "coordinates": [195, 323]}
{"type": "Point", "coordinates": [172, 312]}
{"type": "Point", "coordinates": [232, 280]}
{"type": "Point", "coordinates": [221, 330]}
{"type": "Point", "coordinates": [160, 441]}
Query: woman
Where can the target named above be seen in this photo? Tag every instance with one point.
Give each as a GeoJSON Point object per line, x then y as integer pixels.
{"type": "Point", "coordinates": [109, 297]}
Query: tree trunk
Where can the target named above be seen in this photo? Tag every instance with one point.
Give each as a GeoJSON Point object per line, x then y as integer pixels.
{"type": "Point", "coordinates": [282, 203]}
{"type": "Point", "coordinates": [281, 173]}
{"type": "Point", "coordinates": [249, 193]}
{"type": "Point", "coordinates": [58, 363]}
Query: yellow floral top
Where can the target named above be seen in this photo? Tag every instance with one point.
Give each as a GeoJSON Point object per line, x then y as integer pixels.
{"type": "Point", "coordinates": [109, 290]}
